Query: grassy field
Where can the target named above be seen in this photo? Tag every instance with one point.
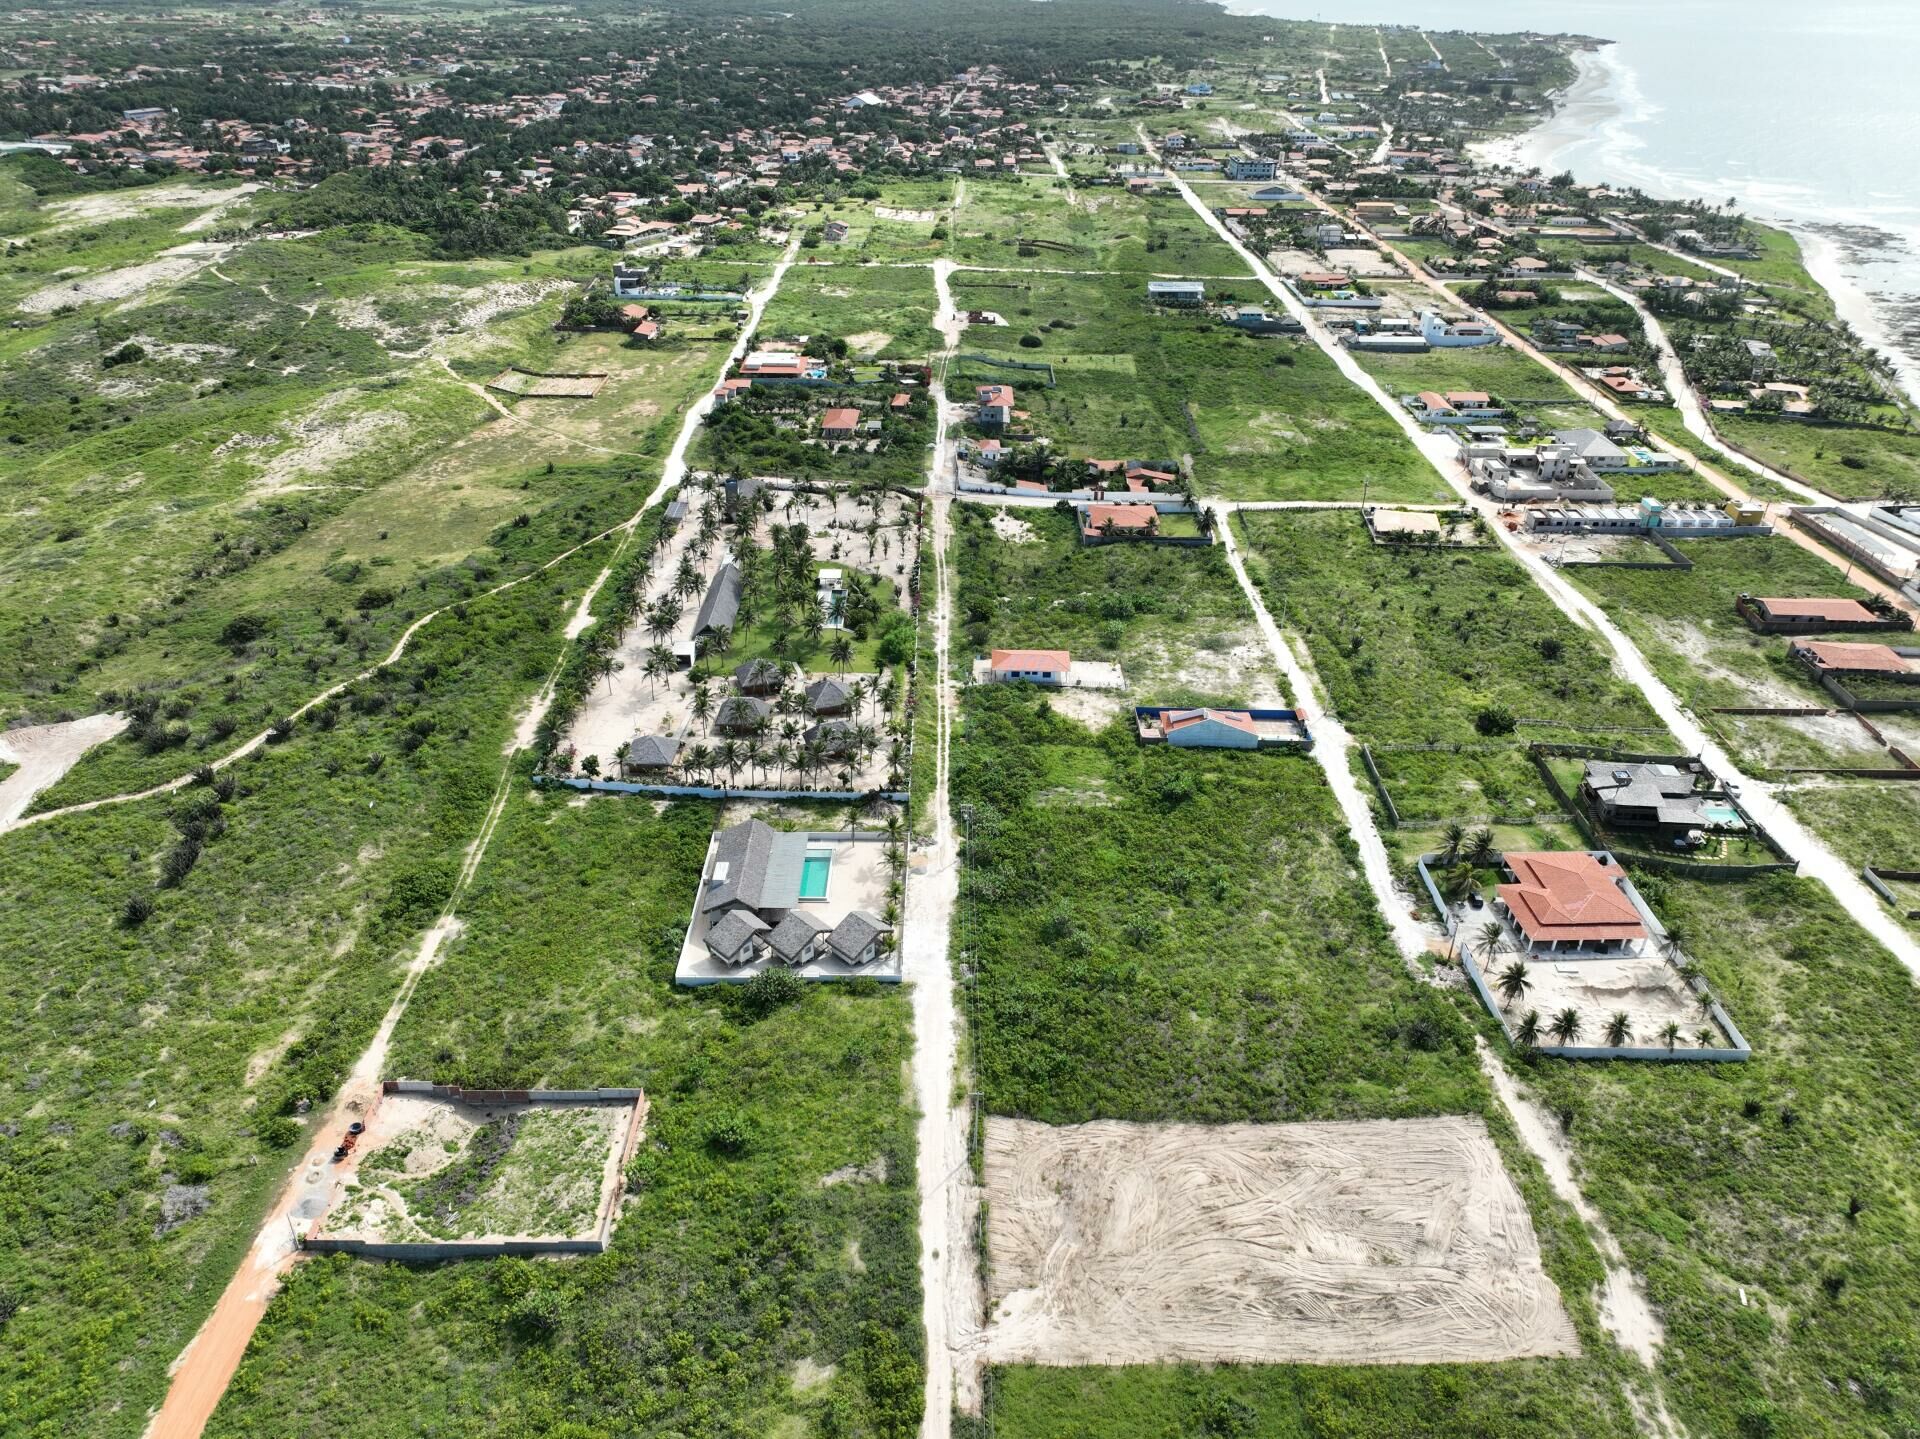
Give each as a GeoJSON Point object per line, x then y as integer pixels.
{"type": "Point", "coordinates": [238, 543]}
{"type": "Point", "coordinates": [1033, 222]}
{"type": "Point", "coordinates": [1846, 463]}
{"type": "Point", "coordinates": [1173, 619]}
{"type": "Point", "coordinates": [1417, 647]}
{"type": "Point", "coordinates": [181, 971]}
{"type": "Point", "coordinates": [1261, 418]}
{"type": "Point", "coordinates": [1189, 940]}
{"type": "Point", "coordinates": [762, 1277]}
{"type": "Point", "coordinates": [1867, 823]}
{"type": "Point", "coordinates": [1684, 622]}
{"type": "Point", "coordinates": [882, 313]}
{"type": "Point", "coordinates": [1788, 1178]}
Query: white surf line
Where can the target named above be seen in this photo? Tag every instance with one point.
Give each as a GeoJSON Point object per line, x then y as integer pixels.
{"type": "Point", "coordinates": [671, 475]}
{"type": "Point", "coordinates": [1623, 1306]}
{"type": "Point", "coordinates": [952, 1302]}
{"type": "Point", "coordinates": [1813, 854]}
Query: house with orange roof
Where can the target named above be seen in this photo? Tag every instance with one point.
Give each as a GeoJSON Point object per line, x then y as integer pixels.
{"type": "Point", "coordinates": [839, 424]}
{"type": "Point", "coordinates": [1041, 667]}
{"type": "Point", "coordinates": [1102, 521]}
{"type": "Point", "coordinates": [1773, 615]}
{"type": "Point", "coordinates": [1573, 903]}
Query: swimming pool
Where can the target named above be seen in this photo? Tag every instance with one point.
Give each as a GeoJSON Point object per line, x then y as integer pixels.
{"type": "Point", "coordinates": [814, 870]}
{"type": "Point", "coordinates": [1722, 814]}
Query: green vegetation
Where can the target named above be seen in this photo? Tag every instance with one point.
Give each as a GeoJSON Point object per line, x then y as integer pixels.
{"type": "Point", "coordinates": [747, 1248]}
{"type": "Point", "coordinates": [1787, 1177]}
{"type": "Point", "coordinates": [1262, 418]}
{"type": "Point", "coordinates": [1847, 463]}
{"type": "Point", "coordinates": [181, 972]}
{"type": "Point", "coordinates": [880, 312]}
{"type": "Point", "coordinates": [1434, 647]}
{"type": "Point", "coordinates": [1171, 618]}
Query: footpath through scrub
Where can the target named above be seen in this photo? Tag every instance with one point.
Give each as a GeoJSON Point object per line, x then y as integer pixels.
{"type": "Point", "coordinates": [207, 1365]}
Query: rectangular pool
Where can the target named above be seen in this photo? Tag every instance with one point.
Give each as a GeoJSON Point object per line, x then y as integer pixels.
{"type": "Point", "coordinates": [1722, 814]}
{"type": "Point", "coordinates": [814, 870]}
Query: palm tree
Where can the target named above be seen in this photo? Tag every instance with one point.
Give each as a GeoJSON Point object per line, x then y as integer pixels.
{"type": "Point", "coordinates": [1619, 1029]}
{"type": "Point", "coordinates": [841, 652]}
{"type": "Point", "coordinates": [1452, 836]}
{"type": "Point", "coordinates": [1706, 1038]}
{"type": "Point", "coordinates": [1491, 938]}
{"type": "Point", "coordinates": [620, 753]}
{"type": "Point", "coordinates": [609, 667]}
{"type": "Point", "coordinates": [1514, 982]}
{"type": "Point", "coordinates": [1481, 850]}
{"type": "Point", "coordinates": [1673, 944]}
{"type": "Point", "coordinates": [659, 665]}
{"type": "Point", "coordinates": [1566, 1026]}
{"type": "Point", "coordinates": [1670, 1034]}
{"type": "Point", "coordinates": [1527, 1033]}
{"type": "Point", "coordinates": [702, 702]}
{"type": "Point", "coordinates": [729, 758]}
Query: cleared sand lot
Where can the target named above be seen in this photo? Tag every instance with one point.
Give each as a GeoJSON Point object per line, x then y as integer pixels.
{"type": "Point", "coordinates": [1378, 1242]}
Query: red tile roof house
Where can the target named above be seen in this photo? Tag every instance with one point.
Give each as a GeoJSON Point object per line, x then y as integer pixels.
{"type": "Point", "coordinates": [1774, 616]}
{"type": "Point", "coordinates": [1863, 677]}
{"type": "Point", "coordinates": [994, 407]}
{"type": "Point", "coordinates": [1570, 903]}
{"type": "Point", "coordinates": [1210, 729]}
{"type": "Point", "coordinates": [1101, 522]}
{"type": "Point", "coordinates": [1041, 667]}
{"type": "Point", "coordinates": [839, 424]}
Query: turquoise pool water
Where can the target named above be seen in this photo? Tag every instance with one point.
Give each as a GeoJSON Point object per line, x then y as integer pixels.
{"type": "Point", "coordinates": [1722, 814]}
{"type": "Point", "coordinates": [813, 875]}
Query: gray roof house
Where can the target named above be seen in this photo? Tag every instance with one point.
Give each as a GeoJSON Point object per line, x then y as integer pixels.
{"type": "Point", "coordinates": [834, 736]}
{"type": "Point", "coordinates": [737, 937]}
{"type": "Point", "coordinates": [856, 939]}
{"type": "Point", "coordinates": [755, 866]}
{"type": "Point", "coordinates": [1656, 795]}
{"type": "Point", "coordinates": [1593, 447]}
{"type": "Point", "coordinates": [652, 751]}
{"type": "Point", "coordinates": [721, 607]}
{"type": "Point", "coordinates": [741, 714]}
{"type": "Point", "coordinates": [798, 937]}
{"type": "Point", "coordinates": [757, 677]}
{"type": "Point", "coordinates": [827, 697]}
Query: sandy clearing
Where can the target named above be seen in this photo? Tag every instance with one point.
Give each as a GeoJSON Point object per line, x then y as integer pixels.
{"type": "Point", "coordinates": [131, 282]}
{"type": "Point", "coordinates": [868, 343]}
{"type": "Point", "coordinates": [125, 204]}
{"type": "Point", "coordinates": [1012, 528]}
{"type": "Point", "coordinates": [1374, 1242]}
{"type": "Point", "coordinates": [322, 438]}
{"type": "Point", "coordinates": [911, 217]}
{"type": "Point", "coordinates": [44, 753]}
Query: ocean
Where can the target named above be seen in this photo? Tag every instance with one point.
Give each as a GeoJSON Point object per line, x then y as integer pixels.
{"type": "Point", "coordinates": [1804, 115]}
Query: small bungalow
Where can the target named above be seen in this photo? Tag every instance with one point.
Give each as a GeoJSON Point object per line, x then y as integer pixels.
{"type": "Point", "coordinates": [1771, 615]}
{"type": "Point", "coordinates": [834, 737]}
{"type": "Point", "coordinates": [760, 677]}
{"type": "Point", "coordinates": [1041, 667]}
{"type": "Point", "coordinates": [993, 406]}
{"type": "Point", "coordinates": [856, 940]}
{"type": "Point", "coordinates": [1210, 729]}
{"type": "Point", "coordinates": [839, 424]}
{"type": "Point", "coordinates": [741, 714]}
{"type": "Point", "coordinates": [799, 938]}
{"type": "Point", "coordinates": [650, 752]}
{"type": "Point", "coordinates": [1101, 522]}
{"type": "Point", "coordinates": [721, 607]}
{"type": "Point", "coordinates": [827, 697]}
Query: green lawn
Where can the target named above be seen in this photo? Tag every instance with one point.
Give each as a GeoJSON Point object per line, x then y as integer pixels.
{"type": "Point", "coordinates": [1846, 463]}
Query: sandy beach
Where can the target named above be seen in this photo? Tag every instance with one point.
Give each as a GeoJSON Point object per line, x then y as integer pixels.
{"type": "Point", "coordinates": [1582, 111]}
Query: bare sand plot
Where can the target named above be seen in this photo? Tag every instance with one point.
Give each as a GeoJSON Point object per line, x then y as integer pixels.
{"type": "Point", "coordinates": [534, 385]}
{"type": "Point", "coordinates": [439, 1174]}
{"type": "Point", "coordinates": [1377, 1242]}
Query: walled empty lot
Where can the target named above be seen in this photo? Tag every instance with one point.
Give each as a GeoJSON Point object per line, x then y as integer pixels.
{"type": "Point", "coordinates": [1379, 1242]}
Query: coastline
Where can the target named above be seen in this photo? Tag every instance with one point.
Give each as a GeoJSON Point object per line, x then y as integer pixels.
{"type": "Point", "coordinates": [1587, 114]}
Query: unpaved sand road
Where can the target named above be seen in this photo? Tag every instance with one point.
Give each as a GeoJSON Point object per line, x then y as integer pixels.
{"type": "Point", "coordinates": [1392, 1241]}
{"type": "Point", "coordinates": [44, 753]}
{"type": "Point", "coordinates": [952, 1301]}
{"type": "Point", "coordinates": [126, 204]}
